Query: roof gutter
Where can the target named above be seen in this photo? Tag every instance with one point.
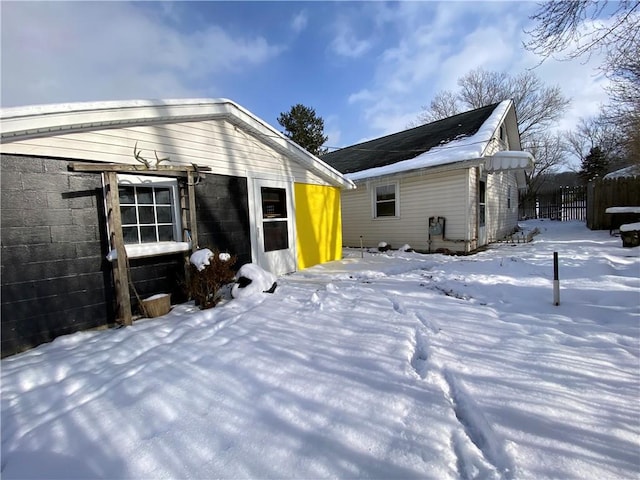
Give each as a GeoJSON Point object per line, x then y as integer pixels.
{"type": "Point", "coordinates": [459, 165]}
{"type": "Point", "coordinates": [517, 161]}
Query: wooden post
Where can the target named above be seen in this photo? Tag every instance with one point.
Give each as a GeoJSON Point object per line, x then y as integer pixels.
{"type": "Point", "coordinates": [120, 272]}
{"type": "Point", "coordinates": [556, 281]}
{"type": "Point", "coordinates": [193, 221]}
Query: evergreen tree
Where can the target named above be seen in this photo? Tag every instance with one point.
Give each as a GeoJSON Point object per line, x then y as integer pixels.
{"type": "Point", "coordinates": [595, 164]}
{"type": "Point", "coordinates": [305, 128]}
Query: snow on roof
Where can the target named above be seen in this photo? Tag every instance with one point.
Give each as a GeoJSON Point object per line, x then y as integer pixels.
{"type": "Point", "coordinates": [630, 227]}
{"type": "Point", "coordinates": [20, 123]}
{"type": "Point", "coordinates": [55, 108]}
{"type": "Point", "coordinates": [458, 150]}
{"type": "Point", "coordinates": [631, 171]}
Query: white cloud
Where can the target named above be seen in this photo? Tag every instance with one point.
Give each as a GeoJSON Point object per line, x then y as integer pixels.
{"type": "Point", "coordinates": [361, 96]}
{"type": "Point", "coordinates": [332, 130]}
{"type": "Point", "coordinates": [300, 21]}
{"type": "Point", "coordinates": [346, 42]}
{"type": "Point", "coordinates": [437, 43]}
{"type": "Point", "coordinates": [55, 51]}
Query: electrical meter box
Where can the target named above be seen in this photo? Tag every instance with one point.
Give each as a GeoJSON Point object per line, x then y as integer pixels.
{"type": "Point", "coordinates": [436, 226]}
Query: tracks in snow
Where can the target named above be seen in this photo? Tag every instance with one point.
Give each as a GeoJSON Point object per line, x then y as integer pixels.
{"type": "Point", "coordinates": [479, 452]}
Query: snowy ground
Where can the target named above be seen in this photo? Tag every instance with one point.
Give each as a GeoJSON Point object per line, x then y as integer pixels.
{"type": "Point", "coordinates": [398, 365]}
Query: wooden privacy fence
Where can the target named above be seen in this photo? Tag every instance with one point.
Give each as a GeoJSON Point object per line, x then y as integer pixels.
{"type": "Point", "coordinates": [563, 203]}
{"type": "Point", "coordinates": [602, 194]}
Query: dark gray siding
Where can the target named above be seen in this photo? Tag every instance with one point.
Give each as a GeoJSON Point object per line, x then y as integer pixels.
{"type": "Point", "coordinates": [222, 205]}
{"type": "Point", "coordinates": [55, 278]}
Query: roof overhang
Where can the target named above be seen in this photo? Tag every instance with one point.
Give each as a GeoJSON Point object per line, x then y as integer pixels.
{"type": "Point", "coordinates": [22, 123]}
{"type": "Point", "coordinates": [509, 160]}
{"type": "Point", "coordinates": [518, 162]}
{"type": "Point", "coordinates": [358, 178]}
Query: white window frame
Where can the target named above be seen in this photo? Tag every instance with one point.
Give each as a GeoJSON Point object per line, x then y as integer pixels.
{"type": "Point", "coordinates": [374, 200]}
{"type": "Point", "coordinates": [139, 250]}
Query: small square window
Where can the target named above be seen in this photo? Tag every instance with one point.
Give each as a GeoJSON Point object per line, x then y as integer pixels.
{"type": "Point", "coordinates": [274, 202]}
{"type": "Point", "coordinates": [385, 200]}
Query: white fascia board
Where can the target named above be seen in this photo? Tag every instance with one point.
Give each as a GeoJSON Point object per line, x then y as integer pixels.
{"type": "Point", "coordinates": [21, 123]}
{"type": "Point", "coordinates": [47, 120]}
{"type": "Point", "coordinates": [283, 144]}
{"type": "Point", "coordinates": [491, 125]}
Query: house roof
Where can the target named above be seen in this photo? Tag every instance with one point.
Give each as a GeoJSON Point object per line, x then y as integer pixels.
{"type": "Point", "coordinates": [454, 139]}
{"type": "Point", "coordinates": [626, 172]}
{"type": "Point", "coordinates": [20, 123]}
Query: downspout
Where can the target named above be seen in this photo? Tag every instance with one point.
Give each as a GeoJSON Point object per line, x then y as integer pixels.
{"type": "Point", "coordinates": [466, 211]}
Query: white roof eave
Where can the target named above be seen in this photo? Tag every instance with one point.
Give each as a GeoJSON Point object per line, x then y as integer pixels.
{"type": "Point", "coordinates": [22, 123]}
{"type": "Point", "coordinates": [459, 165]}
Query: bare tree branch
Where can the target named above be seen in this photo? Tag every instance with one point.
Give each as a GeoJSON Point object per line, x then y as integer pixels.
{"type": "Point", "coordinates": [538, 107]}
{"type": "Point", "coordinates": [444, 104]}
{"type": "Point", "coordinates": [574, 28]}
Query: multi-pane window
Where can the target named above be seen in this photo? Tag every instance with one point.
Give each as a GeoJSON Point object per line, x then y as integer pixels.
{"type": "Point", "coordinates": [385, 201]}
{"type": "Point", "coordinates": [147, 213]}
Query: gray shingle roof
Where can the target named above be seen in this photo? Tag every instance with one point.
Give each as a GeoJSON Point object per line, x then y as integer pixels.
{"type": "Point", "coordinates": [407, 144]}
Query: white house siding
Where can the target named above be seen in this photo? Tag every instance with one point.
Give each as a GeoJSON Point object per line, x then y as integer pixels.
{"type": "Point", "coordinates": [219, 144]}
{"type": "Point", "coordinates": [502, 218]}
{"type": "Point", "coordinates": [443, 194]}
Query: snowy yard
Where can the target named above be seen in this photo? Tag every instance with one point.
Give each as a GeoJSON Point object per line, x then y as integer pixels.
{"type": "Point", "coordinates": [398, 365]}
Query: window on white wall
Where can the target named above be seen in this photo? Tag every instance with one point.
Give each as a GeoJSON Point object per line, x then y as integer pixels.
{"type": "Point", "coordinates": [509, 196]}
{"type": "Point", "coordinates": [385, 204]}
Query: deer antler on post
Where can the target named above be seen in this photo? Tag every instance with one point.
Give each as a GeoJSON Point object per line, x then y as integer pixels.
{"type": "Point", "coordinates": [160, 160]}
{"type": "Point", "coordinates": [137, 154]}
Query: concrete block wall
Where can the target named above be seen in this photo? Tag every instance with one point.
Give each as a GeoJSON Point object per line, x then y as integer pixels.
{"type": "Point", "coordinates": [222, 204]}
{"type": "Point", "coordinates": [55, 279]}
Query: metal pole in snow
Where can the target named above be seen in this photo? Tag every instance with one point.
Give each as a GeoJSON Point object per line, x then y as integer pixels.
{"type": "Point", "coordinates": [361, 249]}
{"type": "Point", "coordinates": [556, 281]}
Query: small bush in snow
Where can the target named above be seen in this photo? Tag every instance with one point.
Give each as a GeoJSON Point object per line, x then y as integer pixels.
{"type": "Point", "coordinates": [206, 278]}
{"type": "Point", "coordinates": [383, 247]}
{"type": "Point", "coordinates": [252, 279]}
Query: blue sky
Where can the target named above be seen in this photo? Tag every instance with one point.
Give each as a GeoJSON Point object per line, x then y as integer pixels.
{"type": "Point", "coordinates": [366, 67]}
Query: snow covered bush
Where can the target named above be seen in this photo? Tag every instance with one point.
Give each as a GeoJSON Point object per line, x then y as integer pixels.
{"type": "Point", "coordinates": [383, 247]}
{"type": "Point", "coordinates": [251, 280]}
{"type": "Point", "coordinates": [208, 273]}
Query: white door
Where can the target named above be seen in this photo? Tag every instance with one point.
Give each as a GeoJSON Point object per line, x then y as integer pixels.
{"type": "Point", "coordinates": [482, 213]}
{"type": "Point", "coordinates": [274, 244]}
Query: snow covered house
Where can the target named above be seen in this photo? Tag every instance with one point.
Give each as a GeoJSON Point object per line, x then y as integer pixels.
{"type": "Point", "coordinates": [146, 182]}
{"type": "Point", "coordinates": [452, 184]}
